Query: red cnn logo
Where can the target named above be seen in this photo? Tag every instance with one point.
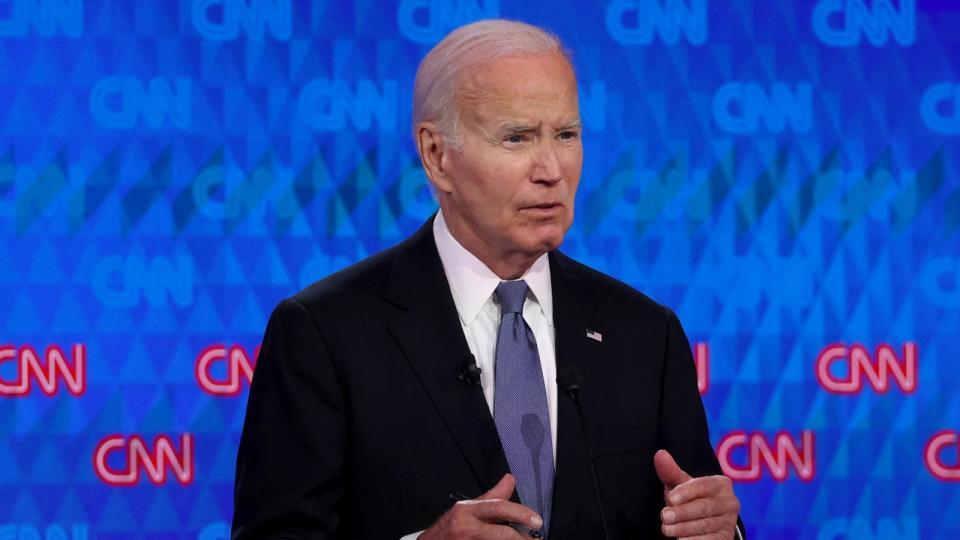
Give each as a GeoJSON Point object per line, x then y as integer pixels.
{"type": "Point", "coordinates": [237, 362]}
{"type": "Point", "coordinates": [29, 368]}
{"type": "Point", "coordinates": [777, 457]}
{"type": "Point", "coordinates": [155, 460]}
{"type": "Point", "coordinates": [931, 456]}
{"type": "Point", "coordinates": [860, 364]}
{"type": "Point", "coordinates": [701, 356]}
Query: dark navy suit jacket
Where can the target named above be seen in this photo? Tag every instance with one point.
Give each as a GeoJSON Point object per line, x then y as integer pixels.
{"type": "Point", "coordinates": [358, 425]}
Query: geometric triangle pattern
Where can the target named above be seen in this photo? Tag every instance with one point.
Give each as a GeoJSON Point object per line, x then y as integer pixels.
{"type": "Point", "coordinates": [785, 175]}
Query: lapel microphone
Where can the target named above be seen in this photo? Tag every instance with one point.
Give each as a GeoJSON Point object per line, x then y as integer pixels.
{"type": "Point", "coordinates": [469, 371]}
{"type": "Point", "coordinates": [568, 380]}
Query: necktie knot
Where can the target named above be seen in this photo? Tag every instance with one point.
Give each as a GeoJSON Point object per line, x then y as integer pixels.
{"type": "Point", "coordinates": [512, 294]}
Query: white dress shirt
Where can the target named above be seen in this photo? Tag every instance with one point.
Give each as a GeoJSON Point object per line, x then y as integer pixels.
{"type": "Point", "coordinates": [472, 285]}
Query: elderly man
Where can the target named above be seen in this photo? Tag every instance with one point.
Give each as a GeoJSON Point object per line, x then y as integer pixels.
{"type": "Point", "coordinates": [416, 393]}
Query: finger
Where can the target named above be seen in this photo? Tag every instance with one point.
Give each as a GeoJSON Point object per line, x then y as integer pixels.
{"type": "Point", "coordinates": [503, 489]}
{"type": "Point", "coordinates": [699, 488]}
{"type": "Point", "coordinates": [715, 525]}
{"type": "Point", "coordinates": [491, 511]}
{"type": "Point", "coordinates": [498, 532]}
{"type": "Point", "coordinates": [461, 522]}
{"type": "Point", "coordinates": [668, 471]}
{"type": "Point", "coordinates": [698, 509]}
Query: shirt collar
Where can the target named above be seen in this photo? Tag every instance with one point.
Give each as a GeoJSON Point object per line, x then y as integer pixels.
{"type": "Point", "coordinates": [472, 283]}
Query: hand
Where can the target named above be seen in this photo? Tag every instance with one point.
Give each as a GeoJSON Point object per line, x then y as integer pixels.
{"type": "Point", "coordinates": [484, 517]}
{"type": "Point", "coordinates": [703, 508]}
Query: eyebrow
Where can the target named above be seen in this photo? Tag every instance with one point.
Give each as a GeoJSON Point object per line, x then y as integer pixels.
{"type": "Point", "coordinates": [521, 128]}
{"type": "Point", "coordinates": [576, 124]}
{"type": "Point", "coordinates": [517, 127]}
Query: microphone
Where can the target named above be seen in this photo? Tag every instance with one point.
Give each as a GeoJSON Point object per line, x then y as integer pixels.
{"type": "Point", "coordinates": [469, 372]}
{"type": "Point", "coordinates": [568, 380]}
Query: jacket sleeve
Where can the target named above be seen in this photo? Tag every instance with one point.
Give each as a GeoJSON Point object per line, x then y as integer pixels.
{"type": "Point", "coordinates": [683, 422]}
{"type": "Point", "coordinates": [289, 479]}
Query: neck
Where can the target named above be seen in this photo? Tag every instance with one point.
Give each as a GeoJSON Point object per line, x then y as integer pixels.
{"type": "Point", "coordinates": [507, 266]}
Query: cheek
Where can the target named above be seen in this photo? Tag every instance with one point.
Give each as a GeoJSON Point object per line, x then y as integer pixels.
{"type": "Point", "coordinates": [573, 159]}
{"type": "Point", "coordinates": [572, 167]}
{"type": "Point", "coordinates": [474, 181]}
{"type": "Point", "coordinates": [504, 180]}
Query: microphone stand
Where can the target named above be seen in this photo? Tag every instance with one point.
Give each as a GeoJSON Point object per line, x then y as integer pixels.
{"type": "Point", "coordinates": [569, 382]}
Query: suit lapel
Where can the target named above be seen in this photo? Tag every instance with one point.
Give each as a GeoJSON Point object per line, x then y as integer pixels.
{"type": "Point", "coordinates": [430, 335]}
{"type": "Point", "coordinates": [574, 312]}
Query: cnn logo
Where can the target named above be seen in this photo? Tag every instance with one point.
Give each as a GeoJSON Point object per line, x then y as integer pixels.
{"type": "Point", "coordinates": [777, 456]}
{"type": "Point", "coordinates": [136, 457]}
{"type": "Point", "coordinates": [234, 361]}
{"type": "Point", "coordinates": [45, 374]}
{"type": "Point", "coordinates": [932, 455]}
{"type": "Point", "coordinates": [878, 371]}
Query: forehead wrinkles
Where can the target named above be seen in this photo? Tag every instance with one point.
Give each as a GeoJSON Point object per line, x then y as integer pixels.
{"type": "Point", "coordinates": [484, 93]}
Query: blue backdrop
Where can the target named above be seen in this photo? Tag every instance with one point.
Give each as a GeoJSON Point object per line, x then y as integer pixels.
{"type": "Point", "coordinates": [783, 173]}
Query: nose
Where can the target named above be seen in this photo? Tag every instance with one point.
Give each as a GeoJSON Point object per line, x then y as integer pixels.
{"type": "Point", "coordinates": [547, 162]}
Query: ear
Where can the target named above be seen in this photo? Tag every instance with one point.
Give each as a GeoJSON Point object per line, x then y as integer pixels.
{"type": "Point", "coordinates": [432, 151]}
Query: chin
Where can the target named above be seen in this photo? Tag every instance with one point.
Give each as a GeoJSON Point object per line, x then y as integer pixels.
{"type": "Point", "coordinates": [548, 239]}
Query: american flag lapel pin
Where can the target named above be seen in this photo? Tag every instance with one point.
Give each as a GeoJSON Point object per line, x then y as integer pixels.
{"type": "Point", "coordinates": [594, 335]}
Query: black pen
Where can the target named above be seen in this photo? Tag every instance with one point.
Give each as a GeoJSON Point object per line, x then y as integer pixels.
{"type": "Point", "coordinates": [456, 496]}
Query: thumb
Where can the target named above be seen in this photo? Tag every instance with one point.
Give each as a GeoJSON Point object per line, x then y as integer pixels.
{"type": "Point", "coordinates": [503, 489]}
{"type": "Point", "coordinates": [667, 469]}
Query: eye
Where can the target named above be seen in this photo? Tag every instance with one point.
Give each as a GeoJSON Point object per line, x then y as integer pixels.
{"type": "Point", "coordinates": [568, 135]}
{"type": "Point", "coordinates": [516, 138]}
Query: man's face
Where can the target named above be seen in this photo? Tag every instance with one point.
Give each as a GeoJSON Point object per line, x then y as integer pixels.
{"type": "Point", "coordinates": [511, 180]}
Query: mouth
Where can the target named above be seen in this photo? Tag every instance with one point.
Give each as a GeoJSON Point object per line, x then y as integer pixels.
{"type": "Point", "coordinates": [548, 209]}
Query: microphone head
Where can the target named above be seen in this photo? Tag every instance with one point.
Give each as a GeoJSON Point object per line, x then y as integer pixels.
{"type": "Point", "coordinates": [568, 379]}
{"type": "Point", "coordinates": [470, 371]}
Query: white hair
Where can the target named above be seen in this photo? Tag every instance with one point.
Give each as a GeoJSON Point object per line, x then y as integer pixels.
{"type": "Point", "coordinates": [440, 73]}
